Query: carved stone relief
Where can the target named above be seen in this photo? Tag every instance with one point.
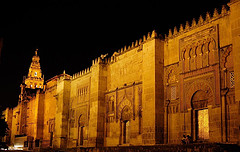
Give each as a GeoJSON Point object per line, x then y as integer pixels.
{"type": "Point", "coordinates": [205, 83]}
{"type": "Point", "coordinates": [226, 57]}
{"type": "Point", "coordinates": [171, 89]}
{"type": "Point", "coordinates": [130, 96]}
{"type": "Point", "coordinates": [126, 113]}
{"type": "Point", "coordinates": [171, 74]}
{"type": "Point", "coordinates": [81, 116]}
{"type": "Point", "coordinates": [199, 50]}
{"type": "Point", "coordinates": [124, 102]}
{"type": "Point", "coordinates": [171, 80]}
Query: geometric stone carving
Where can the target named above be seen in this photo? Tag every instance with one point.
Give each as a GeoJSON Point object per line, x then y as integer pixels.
{"type": "Point", "coordinates": [173, 92]}
{"type": "Point", "coordinates": [125, 103]}
{"type": "Point", "coordinates": [126, 113]}
{"type": "Point", "coordinates": [198, 50]}
{"type": "Point", "coordinates": [232, 83]}
{"type": "Point", "coordinates": [198, 87]}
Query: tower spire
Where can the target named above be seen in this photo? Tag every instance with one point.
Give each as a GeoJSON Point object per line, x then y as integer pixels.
{"type": "Point", "coordinates": [36, 52]}
{"type": "Point", "coordinates": [34, 79]}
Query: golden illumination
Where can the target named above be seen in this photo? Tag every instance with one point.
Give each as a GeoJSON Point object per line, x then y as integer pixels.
{"type": "Point", "coordinates": [203, 124]}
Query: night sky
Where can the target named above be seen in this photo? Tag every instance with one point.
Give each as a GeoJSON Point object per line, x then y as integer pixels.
{"type": "Point", "coordinates": [71, 33]}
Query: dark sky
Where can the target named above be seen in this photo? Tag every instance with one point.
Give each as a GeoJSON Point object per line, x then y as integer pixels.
{"type": "Point", "coordinates": [71, 33]}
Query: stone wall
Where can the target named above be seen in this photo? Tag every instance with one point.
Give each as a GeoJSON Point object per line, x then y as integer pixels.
{"type": "Point", "coordinates": [235, 29]}
{"type": "Point", "coordinates": [50, 103]}
{"type": "Point", "coordinates": [79, 110]}
{"type": "Point", "coordinates": [145, 94]}
{"type": "Point", "coordinates": [199, 57]}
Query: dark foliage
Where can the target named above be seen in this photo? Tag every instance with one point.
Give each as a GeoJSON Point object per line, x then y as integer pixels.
{"type": "Point", "coordinates": [3, 126]}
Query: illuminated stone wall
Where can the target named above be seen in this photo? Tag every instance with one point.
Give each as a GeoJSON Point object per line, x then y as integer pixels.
{"type": "Point", "coordinates": [79, 109]}
{"type": "Point", "coordinates": [50, 103]}
{"type": "Point", "coordinates": [199, 57]}
{"type": "Point", "coordinates": [15, 123]}
{"type": "Point", "coordinates": [62, 108]}
{"type": "Point", "coordinates": [235, 29]}
{"type": "Point", "coordinates": [100, 96]}
{"type": "Point", "coordinates": [124, 90]}
{"type": "Point", "coordinates": [154, 91]}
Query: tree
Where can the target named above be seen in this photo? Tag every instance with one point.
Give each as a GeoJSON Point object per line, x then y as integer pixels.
{"type": "Point", "coordinates": [3, 126]}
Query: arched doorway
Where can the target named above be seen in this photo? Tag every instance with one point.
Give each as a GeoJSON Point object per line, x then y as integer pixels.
{"type": "Point", "coordinates": [125, 125]}
{"type": "Point", "coordinates": [126, 131]}
{"type": "Point", "coordinates": [80, 131]}
{"type": "Point", "coordinates": [51, 134]}
{"type": "Point", "coordinates": [200, 115]}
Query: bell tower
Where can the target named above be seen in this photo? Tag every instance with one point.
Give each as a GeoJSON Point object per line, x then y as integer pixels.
{"type": "Point", "coordinates": [30, 90]}
{"type": "Point", "coordinates": [34, 79]}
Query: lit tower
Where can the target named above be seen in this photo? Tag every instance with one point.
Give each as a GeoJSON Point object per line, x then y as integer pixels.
{"type": "Point", "coordinates": [34, 79]}
{"type": "Point", "coordinates": [31, 89]}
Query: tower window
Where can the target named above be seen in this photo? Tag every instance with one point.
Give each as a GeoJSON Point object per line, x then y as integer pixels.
{"type": "Point", "coordinates": [35, 74]}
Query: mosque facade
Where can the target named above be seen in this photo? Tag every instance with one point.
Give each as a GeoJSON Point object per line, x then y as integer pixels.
{"type": "Point", "coordinates": [152, 92]}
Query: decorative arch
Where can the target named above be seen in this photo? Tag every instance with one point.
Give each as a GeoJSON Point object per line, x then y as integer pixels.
{"type": "Point", "coordinates": [212, 49]}
{"type": "Point", "coordinates": [197, 86]}
{"type": "Point", "coordinates": [211, 44]}
{"type": "Point", "coordinates": [126, 116]}
{"type": "Point", "coordinates": [123, 104]}
{"type": "Point", "coordinates": [205, 54]}
{"type": "Point", "coordinates": [198, 51]}
{"type": "Point", "coordinates": [183, 54]}
{"type": "Point", "coordinates": [80, 128]}
{"type": "Point", "coordinates": [199, 99]}
{"type": "Point", "coordinates": [80, 122]}
{"type": "Point", "coordinates": [126, 113]}
{"type": "Point", "coordinates": [110, 107]}
{"type": "Point", "coordinates": [169, 72]}
{"type": "Point", "coordinates": [193, 58]}
{"type": "Point", "coordinates": [225, 57]}
{"type": "Point", "coordinates": [200, 114]}
{"type": "Point", "coordinates": [187, 59]}
{"type": "Point", "coordinates": [170, 75]}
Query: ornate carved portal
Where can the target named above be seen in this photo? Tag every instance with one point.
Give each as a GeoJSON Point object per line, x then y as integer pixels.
{"type": "Point", "coordinates": [199, 115]}
{"type": "Point", "coordinates": [125, 124]}
{"type": "Point", "coordinates": [123, 108]}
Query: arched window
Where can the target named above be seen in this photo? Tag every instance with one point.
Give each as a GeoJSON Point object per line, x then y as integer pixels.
{"type": "Point", "coordinates": [111, 106]}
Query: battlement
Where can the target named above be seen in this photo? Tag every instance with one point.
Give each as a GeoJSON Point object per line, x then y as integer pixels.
{"type": "Point", "coordinates": [136, 44]}
{"type": "Point", "coordinates": [81, 73]}
{"type": "Point", "coordinates": [103, 59]}
{"type": "Point", "coordinates": [201, 21]}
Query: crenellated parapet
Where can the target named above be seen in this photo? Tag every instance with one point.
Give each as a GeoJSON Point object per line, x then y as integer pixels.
{"type": "Point", "coordinates": [195, 24]}
{"type": "Point", "coordinates": [137, 44]}
{"type": "Point", "coordinates": [103, 59]}
{"type": "Point", "coordinates": [82, 73]}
